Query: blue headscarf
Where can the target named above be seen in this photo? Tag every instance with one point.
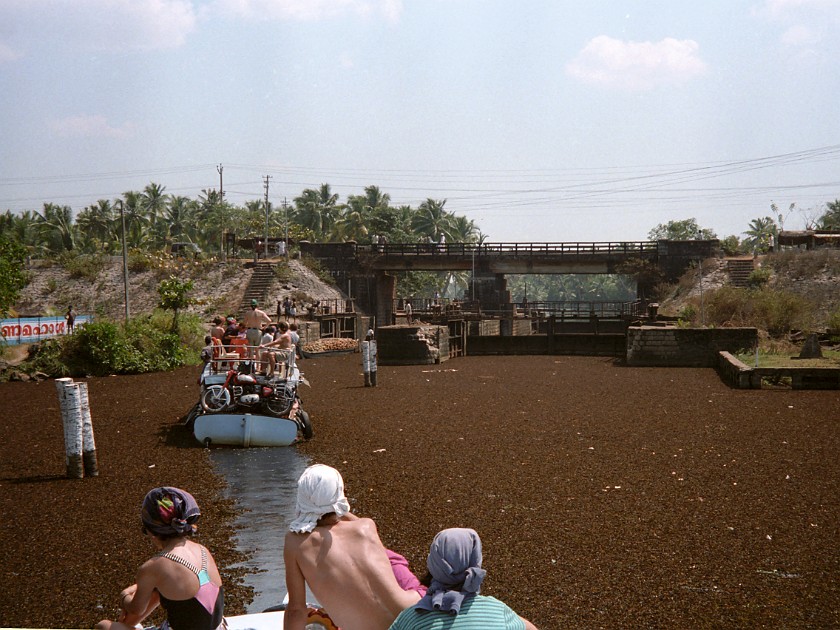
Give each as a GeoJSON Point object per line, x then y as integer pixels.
{"type": "Point", "coordinates": [455, 565]}
{"type": "Point", "coordinates": [170, 512]}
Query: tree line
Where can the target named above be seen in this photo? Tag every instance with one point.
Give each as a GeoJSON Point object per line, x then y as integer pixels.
{"type": "Point", "coordinates": [154, 219]}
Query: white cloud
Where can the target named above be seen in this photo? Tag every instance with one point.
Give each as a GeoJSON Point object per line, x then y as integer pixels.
{"type": "Point", "coordinates": [99, 25]}
{"type": "Point", "coordinates": [94, 126]}
{"type": "Point", "coordinates": [636, 65]}
{"type": "Point", "coordinates": [308, 9]}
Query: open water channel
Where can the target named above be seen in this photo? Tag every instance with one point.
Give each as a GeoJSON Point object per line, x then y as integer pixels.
{"type": "Point", "coordinates": [263, 481]}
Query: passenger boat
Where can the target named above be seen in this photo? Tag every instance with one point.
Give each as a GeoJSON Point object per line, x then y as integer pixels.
{"type": "Point", "coordinates": [239, 408]}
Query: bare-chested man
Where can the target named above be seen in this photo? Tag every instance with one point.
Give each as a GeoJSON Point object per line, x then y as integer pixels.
{"type": "Point", "coordinates": [341, 558]}
{"type": "Point", "coordinates": [255, 320]}
{"type": "Point", "coordinates": [283, 342]}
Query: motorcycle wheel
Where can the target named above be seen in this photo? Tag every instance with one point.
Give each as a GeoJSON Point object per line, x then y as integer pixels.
{"type": "Point", "coordinates": [305, 424]}
{"type": "Point", "coordinates": [276, 406]}
{"type": "Point", "coordinates": [215, 399]}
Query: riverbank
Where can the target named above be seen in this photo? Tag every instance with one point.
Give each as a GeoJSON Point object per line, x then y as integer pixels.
{"type": "Point", "coordinates": [605, 496]}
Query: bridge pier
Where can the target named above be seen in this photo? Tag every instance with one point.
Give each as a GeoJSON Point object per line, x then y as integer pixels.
{"type": "Point", "coordinates": [490, 290]}
{"type": "Point", "coordinates": [386, 296]}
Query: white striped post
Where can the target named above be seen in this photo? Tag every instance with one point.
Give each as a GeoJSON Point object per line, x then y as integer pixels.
{"type": "Point", "coordinates": [369, 360]}
{"type": "Point", "coordinates": [88, 444]}
{"type": "Point", "coordinates": [71, 416]}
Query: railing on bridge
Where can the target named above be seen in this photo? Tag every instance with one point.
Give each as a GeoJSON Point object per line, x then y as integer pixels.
{"type": "Point", "coordinates": [514, 249]}
{"type": "Point", "coordinates": [567, 309]}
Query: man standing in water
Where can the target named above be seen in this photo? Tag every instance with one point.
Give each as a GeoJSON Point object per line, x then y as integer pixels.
{"type": "Point", "coordinates": [341, 558]}
{"type": "Point", "coordinates": [254, 321]}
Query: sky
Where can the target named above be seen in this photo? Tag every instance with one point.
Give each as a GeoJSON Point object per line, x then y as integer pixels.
{"type": "Point", "coordinates": [540, 120]}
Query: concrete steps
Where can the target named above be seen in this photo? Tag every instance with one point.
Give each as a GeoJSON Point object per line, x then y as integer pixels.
{"type": "Point", "coordinates": [739, 270]}
{"type": "Point", "coordinates": [259, 286]}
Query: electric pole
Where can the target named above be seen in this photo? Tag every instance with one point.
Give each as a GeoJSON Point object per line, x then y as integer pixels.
{"type": "Point", "coordinates": [221, 169]}
{"type": "Point", "coordinates": [265, 244]}
{"type": "Point", "coordinates": [286, 223]}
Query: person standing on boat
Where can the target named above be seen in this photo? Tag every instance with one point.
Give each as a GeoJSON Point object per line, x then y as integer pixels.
{"type": "Point", "coordinates": [454, 579]}
{"type": "Point", "coordinates": [340, 557]}
{"type": "Point", "coordinates": [255, 320]}
{"type": "Point", "coordinates": [182, 577]}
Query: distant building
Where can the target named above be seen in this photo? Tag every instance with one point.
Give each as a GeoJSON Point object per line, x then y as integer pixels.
{"type": "Point", "coordinates": [809, 239]}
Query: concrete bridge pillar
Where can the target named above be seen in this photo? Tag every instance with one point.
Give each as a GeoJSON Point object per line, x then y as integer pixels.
{"type": "Point", "coordinates": [386, 295]}
{"type": "Point", "coordinates": [491, 291]}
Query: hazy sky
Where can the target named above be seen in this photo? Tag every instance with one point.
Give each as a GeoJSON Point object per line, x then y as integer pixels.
{"type": "Point", "coordinates": [541, 120]}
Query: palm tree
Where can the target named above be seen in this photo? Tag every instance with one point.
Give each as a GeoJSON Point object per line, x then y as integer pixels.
{"type": "Point", "coordinates": [760, 235]}
{"type": "Point", "coordinates": [56, 228]}
{"type": "Point", "coordinates": [830, 220]}
{"type": "Point", "coordinates": [180, 219]}
{"type": "Point", "coordinates": [154, 202]}
{"type": "Point", "coordinates": [317, 210]}
{"type": "Point", "coordinates": [432, 221]}
{"type": "Point", "coordinates": [351, 224]}
{"type": "Point", "coordinates": [136, 218]}
{"type": "Point", "coordinates": [98, 226]}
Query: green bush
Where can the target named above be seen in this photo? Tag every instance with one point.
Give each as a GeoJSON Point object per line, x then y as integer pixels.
{"type": "Point", "coordinates": [775, 311]}
{"type": "Point", "coordinates": [758, 277]}
{"type": "Point", "coordinates": [834, 321]}
{"type": "Point", "coordinates": [144, 344]}
{"type": "Point", "coordinates": [87, 266]}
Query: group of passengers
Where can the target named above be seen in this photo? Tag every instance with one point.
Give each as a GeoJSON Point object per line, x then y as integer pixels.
{"type": "Point", "coordinates": [254, 336]}
{"type": "Point", "coordinates": [359, 584]}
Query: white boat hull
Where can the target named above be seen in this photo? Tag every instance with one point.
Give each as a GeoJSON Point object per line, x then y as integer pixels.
{"type": "Point", "coordinates": [256, 621]}
{"type": "Point", "coordinates": [246, 430]}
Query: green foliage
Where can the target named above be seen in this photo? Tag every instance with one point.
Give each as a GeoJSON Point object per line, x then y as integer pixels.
{"type": "Point", "coordinates": [139, 260]}
{"type": "Point", "coordinates": [731, 245]}
{"type": "Point", "coordinates": [758, 277]}
{"type": "Point", "coordinates": [12, 273]}
{"type": "Point", "coordinates": [87, 266]}
{"type": "Point", "coordinates": [834, 321]}
{"type": "Point", "coordinates": [760, 234]}
{"type": "Point", "coordinates": [173, 296]}
{"type": "Point", "coordinates": [683, 230]}
{"type": "Point", "coordinates": [830, 220]}
{"type": "Point", "coordinates": [420, 284]}
{"type": "Point", "coordinates": [144, 344]}
{"type": "Point", "coordinates": [775, 311]}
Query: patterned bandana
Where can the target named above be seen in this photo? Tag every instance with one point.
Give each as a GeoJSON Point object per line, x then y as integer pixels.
{"type": "Point", "coordinates": [455, 564]}
{"type": "Point", "coordinates": [170, 511]}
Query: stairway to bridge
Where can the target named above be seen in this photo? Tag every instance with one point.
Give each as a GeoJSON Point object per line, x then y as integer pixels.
{"type": "Point", "coordinates": [259, 286]}
{"type": "Point", "coordinates": [739, 270]}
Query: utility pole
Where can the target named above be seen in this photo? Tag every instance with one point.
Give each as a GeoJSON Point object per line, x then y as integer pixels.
{"type": "Point", "coordinates": [286, 223]}
{"type": "Point", "coordinates": [220, 170]}
{"type": "Point", "coordinates": [125, 259]}
{"type": "Point", "coordinates": [265, 244]}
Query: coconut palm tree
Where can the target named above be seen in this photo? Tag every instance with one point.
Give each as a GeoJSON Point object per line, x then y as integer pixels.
{"type": "Point", "coordinates": [351, 224]}
{"type": "Point", "coordinates": [55, 226]}
{"type": "Point", "coordinates": [432, 221]}
{"type": "Point", "coordinates": [179, 216]}
{"type": "Point", "coordinates": [317, 210]}
{"type": "Point", "coordinates": [760, 234]}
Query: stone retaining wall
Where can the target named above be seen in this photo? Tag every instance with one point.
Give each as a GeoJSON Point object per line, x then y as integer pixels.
{"type": "Point", "coordinates": [412, 345]}
{"type": "Point", "coordinates": [684, 347]}
{"type": "Point", "coordinates": [737, 374]}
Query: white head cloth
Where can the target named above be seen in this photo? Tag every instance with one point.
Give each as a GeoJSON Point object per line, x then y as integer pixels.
{"type": "Point", "coordinates": [320, 491]}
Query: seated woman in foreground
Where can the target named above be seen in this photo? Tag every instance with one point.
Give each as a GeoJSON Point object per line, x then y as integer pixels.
{"type": "Point", "coordinates": [454, 579]}
{"type": "Point", "coordinates": [182, 577]}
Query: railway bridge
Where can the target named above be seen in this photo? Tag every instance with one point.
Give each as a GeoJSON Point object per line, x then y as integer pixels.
{"type": "Point", "coordinates": [366, 271]}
